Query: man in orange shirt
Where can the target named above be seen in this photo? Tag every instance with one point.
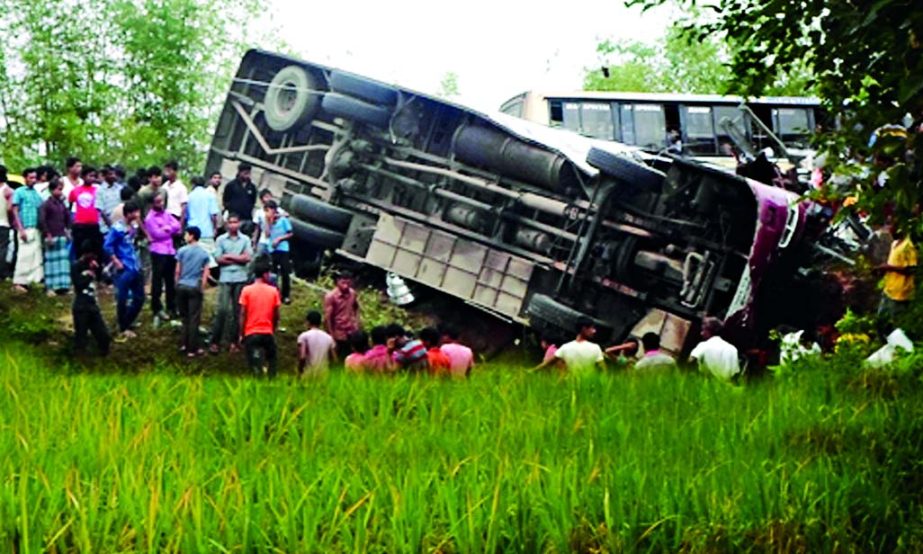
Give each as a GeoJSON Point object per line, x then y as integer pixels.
{"type": "Point", "coordinates": [259, 319]}
{"type": "Point", "coordinates": [437, 359]}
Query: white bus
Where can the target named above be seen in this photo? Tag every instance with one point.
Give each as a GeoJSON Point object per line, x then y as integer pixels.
{"type": "Point", "coordinates": [694, 124]}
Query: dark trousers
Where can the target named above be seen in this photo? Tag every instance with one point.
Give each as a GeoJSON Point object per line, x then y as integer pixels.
{"type": "Point", "coordinates": [88, 319]}
{"type": "Point", "coordinates": [282, 266]}
{"type": "Point", "coordinates": [6, 270]}
{"type": "Point", "coordinates": [253, 344]}
{"type": "Point", "coordinates": [87, 233]}
{"type": "Point", "coordinates": [226, 323]}
{"type": "Point", "coordinates": [189, 301]}
{"type": "Point", "coordinates": [163, 279]}
{"type": "Point", "coordinates": [129, 297]}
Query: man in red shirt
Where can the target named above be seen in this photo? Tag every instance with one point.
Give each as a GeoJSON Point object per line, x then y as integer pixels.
{"type": "Point", "coordinates": [341, 312]}
{"type": "Point", "coordinates": [259, 319]}
{"type": "Point", "coordinates": [86, 215]}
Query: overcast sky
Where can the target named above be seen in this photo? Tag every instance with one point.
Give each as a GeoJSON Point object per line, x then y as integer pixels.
{"type": "Point", "coordinates": [498, 48]}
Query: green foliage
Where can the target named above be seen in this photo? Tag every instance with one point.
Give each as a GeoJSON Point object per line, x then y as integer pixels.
{"type": "Point", "coordinates": [506, 461]}
{"type": "Point", "coordinates": [678, 62]}
{"type": "Point", "coordinates": [867, 63]}
{"type": "Point", "coordinates": [448, 87]}
{"type": "Point", "coordinates": [136, 81]}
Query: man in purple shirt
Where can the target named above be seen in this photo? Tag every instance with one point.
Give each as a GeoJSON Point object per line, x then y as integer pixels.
{"type": "Point", "coordinates": [160, 227]}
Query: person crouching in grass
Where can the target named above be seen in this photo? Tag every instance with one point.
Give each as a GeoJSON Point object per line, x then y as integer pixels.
{"type": "Point", "coordinates": [359, 342]}
{"type": "Point", "coordinates": [316, 348]}
{"type": "Point", "coordinates": [192, 264]}
{"type": "Point", "coordinates": [54, 220]}
{"type": "Point", "coordinates": [85, 309]}
{"type": "Point", "coordinates": [436, 359]}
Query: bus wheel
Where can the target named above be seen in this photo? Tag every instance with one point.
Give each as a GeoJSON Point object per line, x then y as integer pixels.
{"type": "Point", "coordinates": [347, 107]}
{"type": "Point", "coordinates": [547, 313]}
{"type": "Point", "coordinates": [314, 210]}
{"type": "Point", "coordinates": [363, 89]}
{"type": "Point", "coordinates": [320, 237]}
{"type": "Point", "coordinates": [292, 99]}
{"type": "Point", "coordinates": [624, 169]}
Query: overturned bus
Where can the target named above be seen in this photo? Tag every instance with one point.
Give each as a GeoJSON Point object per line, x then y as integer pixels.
{"type": "Point", "coordinates": [535, 225]}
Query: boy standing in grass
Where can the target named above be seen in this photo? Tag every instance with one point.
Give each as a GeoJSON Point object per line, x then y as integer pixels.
{"type": "Point", "coordinates": [580, 355]}
{"type": "Point", "coordinates": [279, 229]}
{"type": "Point", "coordinates": [316, 348]}
{"type": "Point", "coordinates": [55, 223]}
{"type": "Point", "coordinates": [129, 279]}
{"type": "Point", "coordinates": [232, 252]}
{"type": "Point", "coordinates": [85, 310]}
{"type": "Point", "coordinates": [160, 227]}
{"type": "Point", "coordinates": [29, 263]}
{"type": "Point", "coordinates": [192, 263]}
{"type": "Point", "coordinates": [259, 319]}
{"type": "Point", "coordinates": [341, 311]}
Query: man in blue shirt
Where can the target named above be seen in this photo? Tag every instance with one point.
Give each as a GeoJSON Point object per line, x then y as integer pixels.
{"type": "Point", "coordinates": [191, 276]}
{"type": "Point", "coordinates": [30, 269]}
{"type": "Point", "coordinates": [233, 252]}
{"type": "Point", "coordinates": [279, 230]}
{"type": "Point", "coordinates": [129, 279]}
{"type": "Point", "coordinates": [202, 212]}
{"type": "Point", "coordinates": [108, 197]}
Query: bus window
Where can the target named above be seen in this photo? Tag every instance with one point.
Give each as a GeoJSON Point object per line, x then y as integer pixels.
{"type": "Point", "coordinates": [596, 121]}
{"type": "Point", "coordinates": [699, 129]}
{"type": "Point", "coordinates": [513, 107]}
{"type": "Point", "coordinates": [732, 114]}
{"type": "Point", "coordinates": [572, 116]}
{"type": "Point", "coordinates": [556, 115]}
{"type": "Point", "coordinates": [650, 126]}
{"type": "Point", "coordinates": [627, 115]}
{"type": "Point", "coordinates": [791, 124]}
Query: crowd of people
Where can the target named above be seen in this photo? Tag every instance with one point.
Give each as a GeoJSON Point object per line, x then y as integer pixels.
{"type": "Point", "coordinates": [152, 240]}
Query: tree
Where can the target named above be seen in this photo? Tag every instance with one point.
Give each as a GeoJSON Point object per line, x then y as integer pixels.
{"type": "Point", "coordinates": [448, 87]}
{"type": "Point", "coordinates": [137, 81]}
{"type": "Point", "coordinates": [866, 59]}
{"type": "Point", "coordinates": [679, 62]}
{"type": "Point", "coordinates": [672, 64]}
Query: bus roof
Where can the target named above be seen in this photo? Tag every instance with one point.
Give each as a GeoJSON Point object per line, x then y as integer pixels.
{"type": "Point", "coordinates": [670, 97]}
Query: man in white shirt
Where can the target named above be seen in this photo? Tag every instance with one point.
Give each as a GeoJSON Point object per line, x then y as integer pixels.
{"type": "Point", "coordinates": [72, 179]}
{"type": "Point", "coordinates": [715, 355]}
{"type": "Point", "coordinates": [177, 193]}
{"type": "Point", "coordinates": [580, 355]}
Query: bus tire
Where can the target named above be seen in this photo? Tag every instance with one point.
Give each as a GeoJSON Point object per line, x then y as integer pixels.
{"type": "Point", "coordinates": [317, 211]}
{"type": "Point", "coordinates": [320, 237]}
{"type": "Point", "coordinates": [347, 107]}
{"type": "Point", "coordinates": [363, 89]}
{"type": "Point", "coordinates": [291, 101]}
{"type": "Point", "coordinates": [624, 169]}
{"type": "Point", "coordinates": [545, 311]}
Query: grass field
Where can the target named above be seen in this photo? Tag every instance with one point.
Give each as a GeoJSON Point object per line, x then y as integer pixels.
{"type": "Point", "coordinates": [159, 460]}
